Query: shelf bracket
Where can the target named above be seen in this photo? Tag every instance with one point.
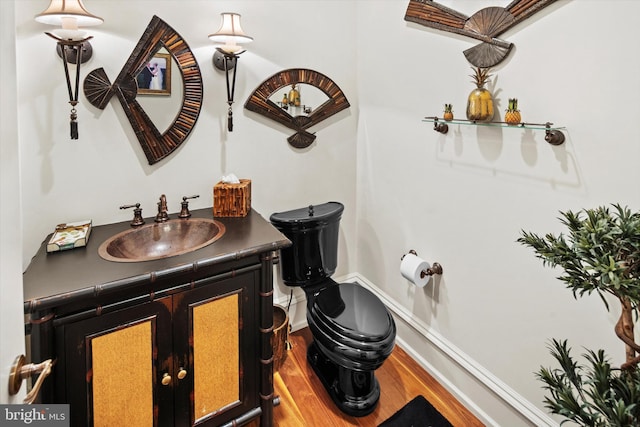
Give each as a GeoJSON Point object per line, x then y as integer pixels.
{"type": "Point", "coordinates": [439, 126]}
{"type": "Point", "coordinates": [553, 136]}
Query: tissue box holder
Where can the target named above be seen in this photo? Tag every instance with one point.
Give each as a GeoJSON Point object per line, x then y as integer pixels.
{"type": "Point", "coordinates": [232, 200]}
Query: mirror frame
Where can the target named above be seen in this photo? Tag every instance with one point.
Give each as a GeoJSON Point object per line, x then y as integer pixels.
{"type": "Point", "coordinates": [99, 90]}
{"type": "Point", "coordinates": [484, 25]}
{"type": "Point", "coordinates": [260, 103]}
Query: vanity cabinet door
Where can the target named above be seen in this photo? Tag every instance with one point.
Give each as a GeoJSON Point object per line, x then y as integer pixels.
{"type": "Point", "coordinates": [116, 368]}
{"type": "Point", "coordinates": [216, 350]}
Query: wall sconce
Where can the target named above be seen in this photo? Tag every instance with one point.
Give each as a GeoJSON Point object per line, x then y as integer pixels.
{"type": "Point", "coordinates": [225, 58]}
{"type": "Point", "coordinates": [73, 46]}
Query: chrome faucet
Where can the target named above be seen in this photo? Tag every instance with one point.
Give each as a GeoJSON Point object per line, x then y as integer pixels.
{"type": "Point", "coordinates": [162, 210]}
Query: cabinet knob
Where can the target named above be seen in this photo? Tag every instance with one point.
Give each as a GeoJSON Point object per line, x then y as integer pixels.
{"type": "Point", "coordinates": [182, 373]}
{"type": "Point", "coordinates": [166, 379]}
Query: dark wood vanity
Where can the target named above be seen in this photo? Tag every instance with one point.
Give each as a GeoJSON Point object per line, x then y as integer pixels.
{"type": "Point", "coordinates": [179, 341]}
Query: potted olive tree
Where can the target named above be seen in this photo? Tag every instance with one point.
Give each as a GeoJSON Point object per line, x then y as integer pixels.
{"type": "Point", "coordinates": [599, 254]}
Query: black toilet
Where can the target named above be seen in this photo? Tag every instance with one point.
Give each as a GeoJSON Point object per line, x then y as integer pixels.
{"type": "Point", "coordinates": [353, 332]}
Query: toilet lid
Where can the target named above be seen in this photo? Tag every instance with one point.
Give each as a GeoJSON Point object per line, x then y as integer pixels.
{"type": "Point", "coordinates": [354, 311]}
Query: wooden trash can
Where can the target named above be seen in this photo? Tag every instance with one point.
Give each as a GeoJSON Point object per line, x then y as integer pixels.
{"type": "Point", "coordinates": [280, 337]}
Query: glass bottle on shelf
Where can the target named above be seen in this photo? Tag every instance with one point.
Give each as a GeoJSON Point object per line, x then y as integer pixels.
{"type": "Point", "coordinates": [293, 95]}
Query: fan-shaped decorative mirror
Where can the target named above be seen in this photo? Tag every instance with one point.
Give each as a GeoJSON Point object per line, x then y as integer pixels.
{"type": "Point", "coordinates": [291, 113]}
{"type": "Point", "coordinates": [484, 25]}
{"type": "Point", "coordinates": [99, 90]}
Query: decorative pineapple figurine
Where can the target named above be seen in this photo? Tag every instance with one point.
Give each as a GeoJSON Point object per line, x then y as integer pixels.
{"type": "Point", "coordinates": [480, 101]}
{"type": "Point", "coordinates": [513, 116]}
{"type": "Point", "coordinates": [448, 112]}
{"type": "Point", "coordinates": [294, 95]}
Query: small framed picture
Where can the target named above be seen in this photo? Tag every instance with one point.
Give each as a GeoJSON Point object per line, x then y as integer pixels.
{"type": "Point", "coordinates": [155, 77]}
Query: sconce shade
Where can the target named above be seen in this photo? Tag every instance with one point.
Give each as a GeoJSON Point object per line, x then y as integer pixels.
{"type": "Point", "coordinates": [230, 33]}
{"type": "Point", "coordinates": [59, 9]}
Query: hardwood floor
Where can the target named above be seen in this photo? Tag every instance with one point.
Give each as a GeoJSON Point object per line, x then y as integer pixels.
{"type": "Point", "coordinates": [304, 401]}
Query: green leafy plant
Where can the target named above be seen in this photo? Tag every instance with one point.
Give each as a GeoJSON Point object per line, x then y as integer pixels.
{"type": "Point", "coordinates": [601, 254]}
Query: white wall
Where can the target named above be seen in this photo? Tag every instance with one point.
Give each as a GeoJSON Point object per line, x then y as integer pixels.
{"type": "Point", "coordinates": [91, 177]}
{"type": "Point", "coordinates": [459, 199]}
{"type": "Point", "coordinates": [11, 317]}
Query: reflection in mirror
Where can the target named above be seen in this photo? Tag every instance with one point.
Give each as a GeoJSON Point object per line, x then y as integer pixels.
{"type": "Point", "coordinates": [156, 145]}
{"type": "Point", "coordinates": [261, 102]}
{"type": "Point", "coordinates": [155, 77]}
{"type": "Point", "coordinates": [299, 99]}
{"type": "Point", "coordinates": [162, 99]}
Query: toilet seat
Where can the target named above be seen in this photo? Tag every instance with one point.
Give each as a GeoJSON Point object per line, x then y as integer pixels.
{"type": "Point", "coordinates": [352, 326]}
{"type": "Point", "coordinates": [354, 311]}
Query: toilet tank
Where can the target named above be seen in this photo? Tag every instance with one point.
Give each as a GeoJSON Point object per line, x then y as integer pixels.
{"type": "Point", "coordinates": [313, 232]}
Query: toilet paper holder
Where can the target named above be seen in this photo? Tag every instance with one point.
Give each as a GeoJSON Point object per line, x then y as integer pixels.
{"type": "Point", "coordinates": [435, 268]}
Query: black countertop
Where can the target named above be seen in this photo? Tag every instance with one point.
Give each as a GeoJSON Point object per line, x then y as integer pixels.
{"type": "Point", "coordinates": [81, 272]}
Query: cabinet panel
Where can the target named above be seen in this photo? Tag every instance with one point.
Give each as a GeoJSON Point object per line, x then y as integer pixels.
{"type": "Point", "coordinates": [219, 319]}
{"type": "Point", "coordinates": [216, 354]}
{"type": "Point", "coordinates": [187, 359]}
{"type": "Point", "coordinates": [117, 360]}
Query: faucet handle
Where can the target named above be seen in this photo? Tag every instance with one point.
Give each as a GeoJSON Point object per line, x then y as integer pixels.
{"type": "Point", "coordinates": [137, 214]}
{"type": "Point", "coordinates": [184, 212]}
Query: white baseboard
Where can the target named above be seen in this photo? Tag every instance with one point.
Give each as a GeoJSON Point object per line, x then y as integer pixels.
{"type": "Point", "coordinates": [516, 410]}
{"type": "Point", "coordinates": [488, 397]}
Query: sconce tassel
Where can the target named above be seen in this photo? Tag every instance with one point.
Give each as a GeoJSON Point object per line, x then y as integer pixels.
{"type": "Point", "coordinates": [74, 122]}
{"type": "Point", "coordinates": [76, 46]}
{"type": "Point", "coordinates": [230, 61]}
{"type": "Point", "coordinates": [230, 119]}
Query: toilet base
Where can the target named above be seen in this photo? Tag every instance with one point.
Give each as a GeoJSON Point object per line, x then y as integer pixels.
{"type": "Point", "coordinates": [355, 393]}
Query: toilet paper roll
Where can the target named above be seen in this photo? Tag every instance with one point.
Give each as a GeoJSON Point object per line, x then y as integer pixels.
{"type": "Point", "coordinates": [411, 269]}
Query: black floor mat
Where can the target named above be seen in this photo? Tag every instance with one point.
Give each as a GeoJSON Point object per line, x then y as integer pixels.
{"type": "Point", "coordinates": [417, 413]}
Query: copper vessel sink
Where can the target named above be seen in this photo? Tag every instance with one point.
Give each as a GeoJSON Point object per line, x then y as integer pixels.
{"type": "Point", "coordinates": [161, 240]}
